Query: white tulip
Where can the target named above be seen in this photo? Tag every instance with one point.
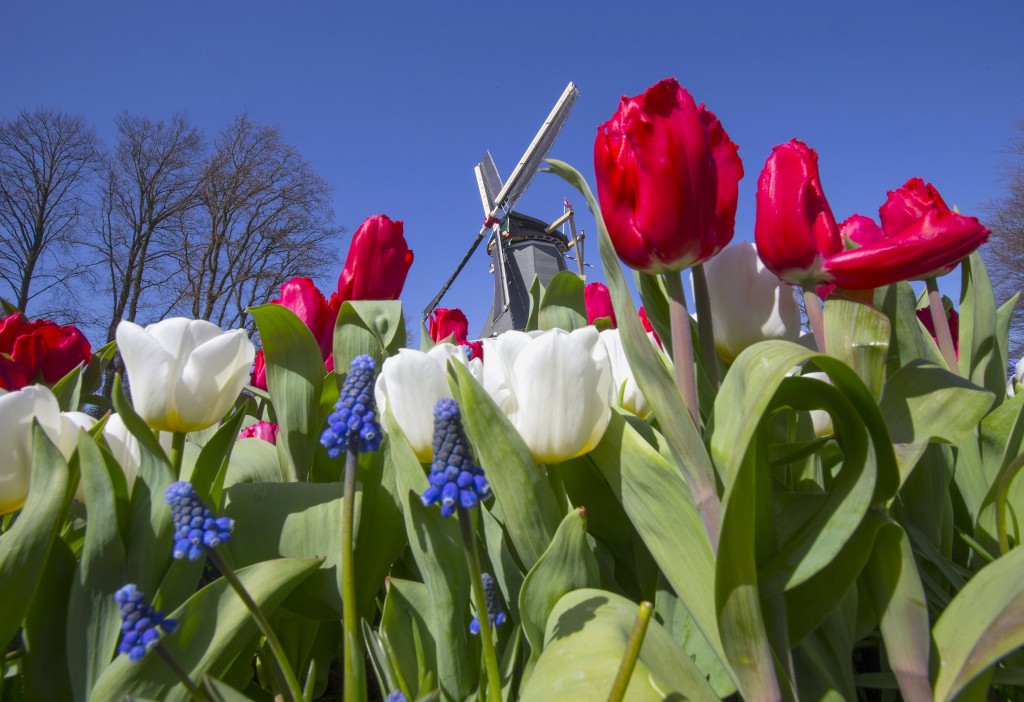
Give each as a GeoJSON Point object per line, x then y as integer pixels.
{"type": "Point", "coordinates": [748, 302]}
{"type": "Point", "coordinates": [625, 392]}
{"type": "Point", "coordinates": [1017, 377]}
{"type": "Point", "coordinates": [410, 384]}
{"type": "Point", "coordinates": [184, 373]}
{"type": "Point", "coordinates": [554, 386]}
{"type": "Point", "coordinates": [124, 447]}
{"type": "Point", "coordinates": [821, 419]}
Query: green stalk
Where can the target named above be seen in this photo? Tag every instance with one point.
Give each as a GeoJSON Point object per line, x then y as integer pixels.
{"type": "Point", "coordinates": [179, 672]}
{"type": "Point", "coordinates": [814, 317]}
{"type": "Point", "coordinates": [355, 688]}
{"type": "Point", "coordinates": [682, 343]}
{"type": "Point", "coordinates": [941, 324]}
{"type": "Point", "coordinates": [292, 682]}
{"type": "Point", "coordinates": [177, 452]}
{"type": "Point", "coordinates": [636, 640]}
{"type": "Point", "coordinates": [705, 325]}
{"type": "Point", "coordinates": [480, 599]}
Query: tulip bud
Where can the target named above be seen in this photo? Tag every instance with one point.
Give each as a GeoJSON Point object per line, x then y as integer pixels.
{"type": "Point", "coordinates": [749, 303]}
{"type": "Point", "coordinates": [303, 298]}
{"type": "Point", "coordinates": [378, 262]}
{"type": "Point", "coordinates": [258, 379]}
{"type": "Point", "coordinates": [446, 322]}
{"type": "Point", "coordinates": [184, 373]}
{"type": "Point", "coordinates": [39, 348]}
{"type": "Point", "coordinates": [658, 162]}
{"type": "Point", "coordinates": [265, 431]}
{"type": "Point", "coordinates": [599, 303]}
{"type": "Point", "coordinates": [794, 228]}
{"type": "Point", "coordinates": [952, 319]}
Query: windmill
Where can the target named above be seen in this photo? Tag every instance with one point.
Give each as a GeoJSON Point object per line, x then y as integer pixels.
{"type": "Point", "coordinates": [520, 246]}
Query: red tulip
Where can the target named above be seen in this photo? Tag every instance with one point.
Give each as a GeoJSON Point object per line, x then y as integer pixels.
{"type": "Point", "coordinates": [303, 298]}
{"type": "Point", "coordinates": [952, 318]}
{"type": "Point", "coordinates": [475, 348]}
{"type": "Point", "coordinates": [794, 229]}
{"type": "Point", "coordinates": [599, 302]}
{"type": "Point", "coordinates": [259, 372]}
{"type": "Point", "coordinates": [905, 206]}
{"type": "Point", "coordinates": [39, 348]}
{"type": "Point", "coordinates": [378, 262]}
{"type": "Point", "coordinates": [267, 431]}
{"type": "Point", "coordinates": [658, 162]}
{"type": "Point", "coordinates": [647, 325]}
{"type": "Point", "coordinates": [446, 322]}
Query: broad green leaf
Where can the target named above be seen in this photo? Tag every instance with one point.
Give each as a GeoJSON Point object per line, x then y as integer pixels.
{"type": "Point", "coordinates": [655, 302]}
{"type": "Point", "coordinates": [585, 639]}
{"type": "Point", "coordinates": [25, 546]}
{"type": "Point", "coordinates": [924, 402]}
{"type": "Point", "coordinates": [46, 675]}
{"type": "Point", "coordinates": [92, 374]}
{"type": "Point", "coordinates": [562, 305]}
{"type": "Point", "coordinates": [822, 662]}
{"type": "Point", "coordinates": [295, 373]}
{"type": "Point", "coordinates": [536, 294]}
{"type": "Point", "coordinates": [531, 514]}
{"type": "Point", "coordinates": [222, 692]}
{"type": "Point", "coordinates": [380, 531]}
{"type": "Point", "coordinates": [858, 334]}
{"type": "Point", "coordinates": [405, 630]}
{"type": "Point", "coordinates": [68, 390]}
{"type": "Point", "coordinates": [507, 571]}
{"type": "Point", "coordinates": [212, 628]}
{"type": "Point", "coordinates": [567, 565]}
{"type": "Point", "coordinates": [211, 465]}
{"type": "Point", "coordinates": [379, 661]}
{"type": "Point", "coordinates": [980, 356]}
{"type": "Point", "coordinates": [253, 461]}
{"type": "Point", "coordinates": [908, 341]}
{"type": "Point", "coordinates": [374, 327]}
{"type": "Point", "coordinates": [1004, 317]}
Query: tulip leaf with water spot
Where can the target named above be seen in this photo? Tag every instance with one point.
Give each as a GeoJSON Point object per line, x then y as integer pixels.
{"type": "Point", "coordinates": [654, 380]}
{"type": "Point", "coordinates": [94, 621]}
{"type": "Point", "coordinates": [924, 402]}
{"type": "Point", "coordinates": [526, 500]}
{"type": "Point", "coordinates": [295, 372]}
{"type": "Point", "coordinates": [562, 305]}
{"type": "Point", "coordinates": [983, 623]}
{"type": "Point", "coordinates": [213, 626]}
{"type": "Point", "coordinates": [584, 642]}
{"type": "Point", "coordinates": [372, 327]}
{"type": "Point", "coordinates": [858, 334]}
{"type": "Point", "coordinates": [567, 565]}
{"type": "Point", "coordinates": [436, 546]}
{"type": "Point", "coordinates": [24, 547]}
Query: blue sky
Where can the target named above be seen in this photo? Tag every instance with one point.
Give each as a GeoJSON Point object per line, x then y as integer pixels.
{"type": "Point", "coordinates": [394, 103]}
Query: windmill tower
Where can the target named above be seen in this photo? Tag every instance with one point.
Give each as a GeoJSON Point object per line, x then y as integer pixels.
{"type": "Point", "coordinates": [520, 246]}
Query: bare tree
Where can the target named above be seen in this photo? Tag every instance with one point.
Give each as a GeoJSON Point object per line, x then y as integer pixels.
{"type": "Point", "coordinates": [264, 217]}
{"type": "Point", "coordinates": [46, 157]}
{"type": "Point", "coordinates": [1004, 253]}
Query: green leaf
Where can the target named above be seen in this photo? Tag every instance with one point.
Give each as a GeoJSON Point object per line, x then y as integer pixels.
{"type": "Point", "coordinates": [46, 674]}
{"type": "Point", "coordinates": [253, 461]}
{"type": "Point", "coordinates": [213, 626]}
{"type": "Point", "coordinates": [536, 293]}
{"type": "Point", "coordinates": [858, 334]}
{"type": "Point", "coordinates": [25, 546]}
{"type": "Point", "coordinates": [295, 373]}
{"type": "Point", "coordinates": [211, 466]}
{"type": "Point", "coordinates": [531, 514]}
{"type": "Point", "coordinates": [655, 302]}
{"type": "Point", "coordinates": [980, 356]}
{"type": "Point", "coordinates": [372, 327]}
{"type": "Point", "coordinates": [405, 630]}
{"type": "Point", "coordinates": [563, 305]}
{"type": "Point", "coordinates": [567, 565]}
{"type": "Point", "coordinates": [983, 623]}
{"type": "Point", "coordinates": [222, 692]}
{"type": "Point", "coordinates": [68, 390]}
{"type": "Point", "coordinates": [585, 640]}
{"type": "Point", "coordinates": [92, 374]}
{"type": "Point", "coordinates": [908, 341]}
{"type": "Point", "coordinates": [506, 570]}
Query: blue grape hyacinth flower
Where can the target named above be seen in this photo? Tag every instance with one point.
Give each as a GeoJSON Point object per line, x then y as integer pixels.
{"type": "Point", "coordinates": [195, 526]}
{"type": "Point", "coordinates": [139, 623]}
{"type": "Point", "coordinates": [495, 615]}
{"type": "Point", "coordinates": [455, 480]}
{"type": "Point", "coordinates": [353, 424]}
{"type": "Point", "coordinates": [396, 696]}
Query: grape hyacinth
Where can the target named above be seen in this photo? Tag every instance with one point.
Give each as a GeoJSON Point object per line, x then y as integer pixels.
{"type": "Point", "coordinates": [353, 425]}
{"type": "Point", "coordinates": [495, 615]}
{"type": "Point", "coordinates": [396, 696]}
{"type": "Point", "coordinates": [139, 623]}
{"type": "Point", "coordinates": [455, 480]}
{"type": "Point", "coordinates": [195, 526]}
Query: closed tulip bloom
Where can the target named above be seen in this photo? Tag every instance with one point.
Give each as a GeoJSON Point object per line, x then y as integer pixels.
{"type": "Point", "coordinates": [265, 431]}
{"type": "Point", "coordinates": [625, 392]}
{"type": "Point", "coordinates": [554, 386]}
{"type": "Point", "coordinates": [658, 180]}
{"type": "Point", "coordinates": [410, 384]}
{"type": "Point", "coordinates": [749, 303]}
{"type": "Point", "coordinates": [303, 298]}
{"type": "Point", "coordinates": [39, 349]}
{"type": "Point", "coordinates": [184, 373]}
{"type": "Point", "coordinates": [258, 379]}
{"type": "Point", "coordinates": [952, 319]}
{"type": "Point", "coordinates": [446, 322]}
{"type": "Point", "coordinates": [729, 169]}
{"type": "Point", "coordinates": [598, 300]}
{"type": "Point", "coordinates": [378, 262]}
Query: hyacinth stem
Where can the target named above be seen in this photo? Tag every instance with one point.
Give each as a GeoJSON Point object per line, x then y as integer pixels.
{"type": "Point", "coordinates": [1002, 490]}
{"type": "Point", "coordinates": [480, 600]}
{"type": "Point", "coordinates": [636, 640]}
{"type": "Point", "coordinates": [814, 317]}
{"type": "Point", "coordinates": [705, 325]}
{"type": "Point", "coordinates": [941, 324]}
{"type": "Point", "coordinates": [177, 452]}
{"type": "Point", "coordinates": [682, 343]}
{"type": "Point", "coordinates": [180, 673]}
{"type": "Point", "coordinates": [294, 688]}
{"type": "Point", "coordinates": [352, 648]}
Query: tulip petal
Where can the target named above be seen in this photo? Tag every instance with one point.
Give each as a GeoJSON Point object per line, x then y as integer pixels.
{"type": "Point", "coordinates": [410, 384]}
{"type": "Point", "coordinates": [222, 361]}
{"type": "Point", "coordinates": [17, 410]}
{"type": "Point", "coordinates": [149, 367]}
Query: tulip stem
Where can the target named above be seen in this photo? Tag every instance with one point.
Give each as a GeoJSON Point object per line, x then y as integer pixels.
{"type": "Point", "coordinates": [177, 452]}
{"type": "Point", "coordinates": [682, 343]}
{"type": "Point", "coordinates": [179, 672]}
{"type": "Point", "coordinates": [814, 317]}
{"type": "Point", "coordinates": [480, 601]}
{"type": "Point", "coordinates": [633, 645]}
{"type": "Point", "coordinates": [294, 688]}
{"type": "Point", "coordinates": [705, 324]}
{"type": "Point", "coordinates": [941, 324]}
{"type": "Point", "coordinates": [353, 652]}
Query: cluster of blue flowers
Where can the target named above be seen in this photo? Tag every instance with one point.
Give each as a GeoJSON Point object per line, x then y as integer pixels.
{"type": "Point", "coordinates": [195, 526]}
{"type": "Point", "coordinates": [139, 623]}
{"type": "Point", "coordinates": [353, 424]}
{"type": "Point", "coordinates": [495, 615]}
{"type": "Point", "coordinates": [454, 478]}
{"type": "Point", "coordinates": [396, 696]}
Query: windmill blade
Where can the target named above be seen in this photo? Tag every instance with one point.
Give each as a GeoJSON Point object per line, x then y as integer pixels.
{"type": "Point", "coordinates": [489, 182]}
{"type": "Point", "coordinates": [529, 164]}
{"type": "Point", "coordinates": [462, 264]}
